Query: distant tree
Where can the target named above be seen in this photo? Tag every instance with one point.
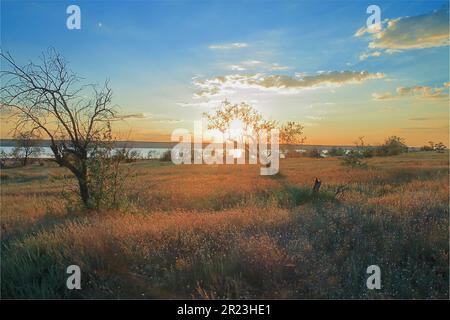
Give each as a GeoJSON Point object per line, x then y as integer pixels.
{"type": "Point", "coordinates": [4, 156]}
{"type": "Point", "coordinates": [353, 158]}
{"type": "Point", "coordinates": [366, 151]}
{"type": "Point", "coordinates": [26, 146]}
{"type": "Point", "coordinates": [440, 147]}
{"type": "Point", "coordinates": [393, 145]}
{"type": "Point", "coordinates": [291, 133]}
{"type": "Point", "coordinates": [313, 153]}
{"type": "Point", "coordinates": [166, 156]}
{"type": "Point", "coordinates": [336, 152]}
{"type": "Point", "coordinates": [127, 155]}
{"type": "Point", "coordinates": [47, 98]}
{"type": "Point", "coordinates": [252, 123]}
{"type": "Point", "coordinates": [251, 120]}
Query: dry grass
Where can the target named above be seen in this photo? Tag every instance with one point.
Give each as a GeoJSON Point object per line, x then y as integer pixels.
{"type": "Point", "coordinates": [227, 232]}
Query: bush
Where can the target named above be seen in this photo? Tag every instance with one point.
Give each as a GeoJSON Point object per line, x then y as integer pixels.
{"type": "Point", "coordinates": [336, 152]}
{"type": "Point", "coordinates": [313, 153]}
{"type": "Point", "coordinates": [166, 156]}
{"type": "Point", "coordinates": [354, 159]}
{"type": "Point", "coordinates": [392, 146]}
{"type": "Point", "coordinates": [368, 152]}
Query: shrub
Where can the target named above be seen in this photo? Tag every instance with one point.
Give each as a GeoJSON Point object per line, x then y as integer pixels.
{"type": "Point", "coordinates": [166, 156]}
{"type": "Point", "coordinates": [353, 159]}
{"type": "Point", "coordinates": [336, 152]}
{"type": "Point", "coordinates": [313, 153]}
{"type": "Point", "coordinates": [392, 146]}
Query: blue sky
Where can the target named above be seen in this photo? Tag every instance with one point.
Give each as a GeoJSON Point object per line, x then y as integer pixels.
{"type": "Point", "coordinates": [159, 55]}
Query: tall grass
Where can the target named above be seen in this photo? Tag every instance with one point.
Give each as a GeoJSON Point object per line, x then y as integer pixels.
{"type": "Point", "coordinates": [226, 232]}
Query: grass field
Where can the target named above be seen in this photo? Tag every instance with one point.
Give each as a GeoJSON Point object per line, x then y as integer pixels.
{"type": "Point", "coordinates": [226, 232]}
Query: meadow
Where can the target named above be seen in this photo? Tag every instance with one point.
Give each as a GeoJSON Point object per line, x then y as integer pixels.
{"type": "Point", "coordinates": [224, 231]}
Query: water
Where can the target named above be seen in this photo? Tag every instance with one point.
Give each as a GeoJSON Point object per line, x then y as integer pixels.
{"type": "Point", "coordinates": [143, 153]}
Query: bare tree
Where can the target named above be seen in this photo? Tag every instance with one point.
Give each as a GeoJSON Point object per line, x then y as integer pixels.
{"type": "Point", "coordinates": [48, 99]}
{"type": "Point", "coordinates": [26, 146]}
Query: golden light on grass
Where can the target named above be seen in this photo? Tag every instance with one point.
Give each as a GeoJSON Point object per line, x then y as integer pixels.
{"type": "Point", "coordinates": [227, 232]}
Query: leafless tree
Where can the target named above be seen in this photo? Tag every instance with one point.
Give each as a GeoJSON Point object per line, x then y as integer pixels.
{"type": "Point", "coordinates": [50, 100]}
{"type": "Point", "coordinates": [26, 146]}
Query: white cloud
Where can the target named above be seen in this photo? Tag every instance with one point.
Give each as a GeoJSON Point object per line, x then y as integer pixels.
{"type": "Point", "coordinates": [236, 67]}
{"type": "Point", "coordinates": [234, 45]}
{"type": "Point", "coordinates": [416, 32]}
{"type": "Point", "coordinates": [276, 67]}
{"type": "Point", "coordinates": [251, 62]}
{"type": "Point", "coordinates": [365, 55]}
{"type": "Point", "coordinates": [222, 85]}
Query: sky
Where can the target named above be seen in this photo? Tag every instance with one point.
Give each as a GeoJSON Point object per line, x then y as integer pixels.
{"type": "Point", "coordinates": [313, 62]}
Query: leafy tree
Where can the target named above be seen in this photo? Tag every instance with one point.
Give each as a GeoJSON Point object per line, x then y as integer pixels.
{"type": "Point", "coordinates": [291, 133]}
{"type": "Point", "coordinates": [393, 145]}
{"type": "Point", "coordinates": [252, 123]}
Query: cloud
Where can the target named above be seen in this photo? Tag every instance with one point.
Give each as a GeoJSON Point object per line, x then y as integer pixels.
{"type": "Point", "coordinates": [130, 116]}
{"type": "Point", "coordinates": [276, 67]}
{"type": "Point", "coordinates": [235, 67]}
{"type": "Point", "coordinates": [146, 116]}
{"type": "Point", "coordinates": [373, 29]}
{"type": "Point", "coordinates": [417, 32]}
{"type": "Point", "coordinates": [421, 92]}
{"type": "Point", "coordinates": [419, 119]}
{"type": "Point", "coordinates": [251, 62]}
{"type": "Point", "coordinates": [423, 128]}
{"type": "Point", "coordinates": [382, 96]}
{"type": "Point", "coordinates": [256, 65]}
{"type": "Point", "coordinates": [365, 55]}
{"type": "Point", "coordinates": [221, 85]}
{"type": "Point", "coordinates": [200, 104]}
{"type": "Point", "coordinates": [234, 45]}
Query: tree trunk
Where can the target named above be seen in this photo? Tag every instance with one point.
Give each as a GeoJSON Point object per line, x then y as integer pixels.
{"type": "Point", "coordinates": [84, 191]}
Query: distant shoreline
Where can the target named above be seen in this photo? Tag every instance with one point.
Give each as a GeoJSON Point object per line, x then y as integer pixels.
{"type": "Point", "coordinates": [162, 145]}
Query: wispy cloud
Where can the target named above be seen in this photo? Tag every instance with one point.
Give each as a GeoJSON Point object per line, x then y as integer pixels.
{"type": "Point", "coordinates": [222, 85]}
{"type": "Point", "coordinates": [382, 96]}
{"type": "Point", "coordinates": [314, 117]}
{"type": "Point", "coordinates": [147, 116]}
{"type": "Point", "coordinates": [365, 55]}
{"type": "Point", "coordinates": [234, 45]}
{"type": "Point", "coordinates": [256, 65]}
{"type": "Point", "coordinates": [235, 67]}
{"type": "Point", "coordinates": [131, 116]}
{"type": "Point", "coordinates": [421, 92]}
